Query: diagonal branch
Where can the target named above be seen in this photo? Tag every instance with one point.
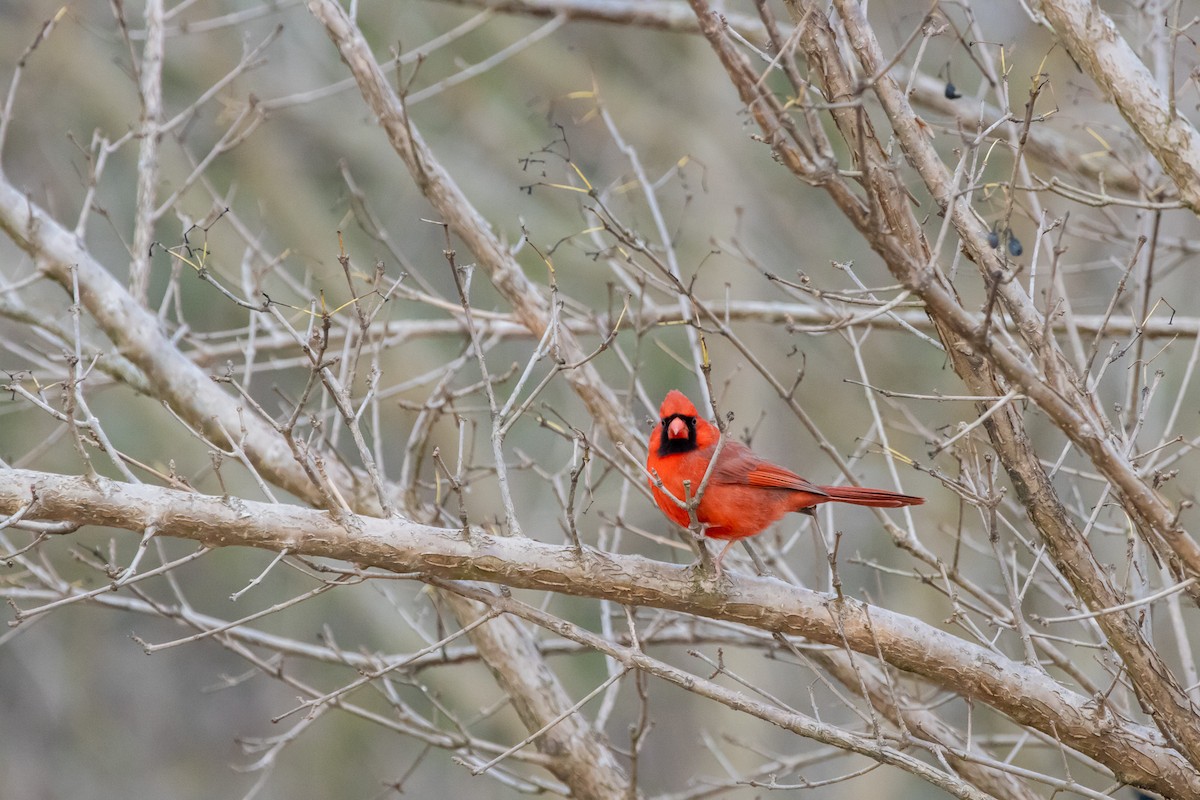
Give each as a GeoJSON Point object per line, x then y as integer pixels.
{"type": "Point", "coordinates": [1071, 407]}
{"type": "Point", "coordinates": [588, 765]}
{"type": "Point", "coordinates": [1093, 40]}
{"type": "Point", "coordinates": [529, 303]}
{"type": "Point", "coordinates": [138, 335]}
{"type": "Point", "coordinates": [894, 233]}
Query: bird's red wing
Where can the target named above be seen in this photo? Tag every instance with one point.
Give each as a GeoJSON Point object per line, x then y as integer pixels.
{"type": "Point", "coordinates": [771, 476]}
{"type": "Point", "coordinates": [739, 465]}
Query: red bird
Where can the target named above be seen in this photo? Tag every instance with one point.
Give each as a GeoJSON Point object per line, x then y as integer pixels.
{"type": "Point", "coordinates": [745, 493]}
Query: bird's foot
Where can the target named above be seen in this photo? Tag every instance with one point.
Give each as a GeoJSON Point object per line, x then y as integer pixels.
{"type": "Point", "coordinates": [707, 568]}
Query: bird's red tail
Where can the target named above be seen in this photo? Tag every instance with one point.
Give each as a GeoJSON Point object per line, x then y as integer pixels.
{"type": "Point", "coordinates": [880, 498]}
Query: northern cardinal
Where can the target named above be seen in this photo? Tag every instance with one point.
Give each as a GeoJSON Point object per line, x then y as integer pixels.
{"type": "Point", "coordinates": [745, 493]}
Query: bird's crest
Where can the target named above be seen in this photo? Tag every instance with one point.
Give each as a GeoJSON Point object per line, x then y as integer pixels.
{"type": "Point", "coordinates": [676, 403]}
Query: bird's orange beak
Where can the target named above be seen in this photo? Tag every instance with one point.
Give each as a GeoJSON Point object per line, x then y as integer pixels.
{"type": "Point", "coordinates": [677, 429]}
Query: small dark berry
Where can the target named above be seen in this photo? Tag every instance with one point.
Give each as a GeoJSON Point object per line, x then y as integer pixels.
{"type": "Point", "coordinates": [1014, 245]}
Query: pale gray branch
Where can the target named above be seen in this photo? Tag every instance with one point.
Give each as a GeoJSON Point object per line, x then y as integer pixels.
{"type": "Point", "coordinates": [1134, 753]}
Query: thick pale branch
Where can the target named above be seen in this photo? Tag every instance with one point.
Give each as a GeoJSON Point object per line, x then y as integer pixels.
{"type": "Point", "coordinates": [1135, 753]}
{"type": "Point", "coordinates": [150, 74]}
{"type": "Point", "coordinates": [1093, 40]}
{"type": "Point", "coordinates": [655, 14]}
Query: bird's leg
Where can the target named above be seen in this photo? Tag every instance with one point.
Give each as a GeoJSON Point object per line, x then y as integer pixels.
{"type": "Point", "coordinates": [721, 555]}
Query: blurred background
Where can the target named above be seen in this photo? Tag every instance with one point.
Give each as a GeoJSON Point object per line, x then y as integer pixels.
{"type": "Point", "coordinates": [563, 118]}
